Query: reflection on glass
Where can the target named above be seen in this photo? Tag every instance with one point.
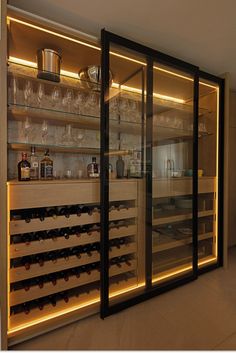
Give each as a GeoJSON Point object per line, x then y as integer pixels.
{"type": "Point", "coordinates": [207, 164]}
{"type": "Point", "coordinates": [172, 175]}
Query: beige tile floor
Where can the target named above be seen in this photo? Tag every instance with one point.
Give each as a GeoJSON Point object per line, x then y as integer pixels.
{"type": "Point", "coordinates": [199, 315]}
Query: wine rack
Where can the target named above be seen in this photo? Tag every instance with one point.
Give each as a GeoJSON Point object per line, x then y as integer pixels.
{"type": "Point", "coordinates": [55, 248]}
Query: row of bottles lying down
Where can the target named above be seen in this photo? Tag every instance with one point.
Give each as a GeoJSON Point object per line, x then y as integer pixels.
{"type": "Point", "coordinates": [66, 233]}
{"type": "Point", "coordinates": [78, 251]}
{"type": "Point", "coordinates": [66, 275]}
{"type": "Point", "coordinates": [67, 211]}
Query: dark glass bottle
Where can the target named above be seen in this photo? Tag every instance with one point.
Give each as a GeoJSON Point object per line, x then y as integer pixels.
{"type": "Point", "coordinates": [120, 168]}
{"type": "Point", "coordinates": [24, 168]}
{"type": "Point", "coordinates": [52, 212]}
{"type": "Point", "coordinates": [64, 211]}
{"type": "Point", "coordinates": [93, 169]}
{"type": "Point", "coordinates": [46, 167]}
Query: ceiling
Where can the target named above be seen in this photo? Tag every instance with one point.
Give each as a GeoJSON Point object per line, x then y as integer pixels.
{"type": "Point", "coordinates": [201, 32]}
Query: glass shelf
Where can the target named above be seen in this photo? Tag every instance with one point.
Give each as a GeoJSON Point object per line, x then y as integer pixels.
{"type": "Point", "coordinates": [24, 146]}
{"type": "Point", "coordinates": [163, 134]}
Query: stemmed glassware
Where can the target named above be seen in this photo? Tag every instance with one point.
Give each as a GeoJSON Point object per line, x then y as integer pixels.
{"type": "Point", "coordinates": [67, 137]}
{"type": "Point", "coordinates": [27, 129]}
{"type": "Point", "coordinates": [79, 102]}
{"type": "Point", "coordinates": [28, 93]}
{"type": "Point", "coordinates": [40, 94]}
{"type": "Point", "coordinates": [68, 99]}
{"type": "Point", "coordinates": [56, 97]}
{"type": "Point", "coordinates": [44, 132]}
{"type": "Point", "coordinates": [14, 90]}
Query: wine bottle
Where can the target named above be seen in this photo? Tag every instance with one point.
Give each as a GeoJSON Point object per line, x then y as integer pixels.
{"type": "Point", "coordinates": [64, 296]}
{"type": "Point", "coordinates": [28, 237]}
{"type": "Point", "coordinates": [65, 275]}
{"type": "Point", "coordinates": [26, 308]}
{"type": "Point", "coordinates": [64, 211]}
{"type": "Point", "coordinates": [41, 235]}
{"type": "Point", "coordinates": [40, 282]}
{"type": "Point", "coordinates": [39, 303]}
{"type": "Point", "coordinates": [16, 239]}
{"type": "Point", "coordinates": [52, 278]}
{"type": "Point", "coordinates": [53, 256]}
{"type": "Point", "coordinates": [39, 258]}
{"type": "Point", "coordinates": [52, 300]}
{"type": "Point", "coordinates": [24, 168]}
{"type": "Point", "coordinates": [53, 234]}
{"type": "Point", "coordinates": [26, 262]}
{"type": "Point", "coordinates": [52, 212]}
{"type": "Point", "coordinates": [120, 168]}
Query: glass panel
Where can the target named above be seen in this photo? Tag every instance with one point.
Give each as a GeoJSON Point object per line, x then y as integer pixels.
{"type": "Point", "coordinates": [207, 171]}
{"type": "Point", "coordinates": [126, 197]}
{"type": "Point", "coordinates": [172, 158]}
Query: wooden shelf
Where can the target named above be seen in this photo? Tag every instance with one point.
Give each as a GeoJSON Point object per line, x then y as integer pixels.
{"type": "Point", "coordinates": [37, 247]}
{"type": "Point", "coordinates": [20, 227]}
{"type": "Point", "coordinates": [167, 187]}
{"type": "Point", "coordinates": [84, 300]}
{"type": "Point", "coordinates": [21, 296]}
{"type": "Point", "coordinates": [18, 146]}
{"type": "Point", "coordinates": [168, 242]}
{"type": "Point", "coordinates": [178, 216]}
{"type": "Point", "coordinates": [20, 273]}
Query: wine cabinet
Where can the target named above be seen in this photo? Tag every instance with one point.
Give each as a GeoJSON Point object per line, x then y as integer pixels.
{"type": "Point", "coordinates": [133, 205]}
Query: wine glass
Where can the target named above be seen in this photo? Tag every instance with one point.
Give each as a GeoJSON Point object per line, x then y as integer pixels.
{"type": "Point", "coordinates": [44, 130]}
{"type": "Point", "coordinates": [80, 136]}
{"type": "Point", "coordinates": [28, 92]}
{"type": "Point", "coordinates": [27, 129]}
{"type": "Point", "coordinates": [67, 99]}
{"type": "Point", "coordinates": [79, 101]}
{"type": "Point", "coordinates": [40, 94]}
{"type": "Point", "coordinates": [92, 103]}
{"type": "Point", "coordinates": [13, 90]}
{"type": "Point", "coordinates": [56, 97]}
{"type": "Point", "coordinates": [67, 137]}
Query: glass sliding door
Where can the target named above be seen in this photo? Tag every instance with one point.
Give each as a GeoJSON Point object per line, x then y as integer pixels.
{"type": "Point", "coordinates": [149, 147]}
{"type": "Point", "coordinates": [123, 188]}
{"type": "Point", "coordinates": [210, 171]}
{"type": "Point", "coordinates": [173, 175]}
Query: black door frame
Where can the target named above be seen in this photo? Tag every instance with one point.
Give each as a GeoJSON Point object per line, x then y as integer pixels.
{"type": "Point", "coordinates": [153, 55]}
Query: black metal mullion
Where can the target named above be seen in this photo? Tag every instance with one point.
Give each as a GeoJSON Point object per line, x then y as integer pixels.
{"type": "Point", "coordinates": [149, 145]}
{"type": "Point", "coordinates": [195, 174]}
{"type": "Point", "coordinates": [143, 170]}
{"type": "Point", "coordinates": [104, 175]}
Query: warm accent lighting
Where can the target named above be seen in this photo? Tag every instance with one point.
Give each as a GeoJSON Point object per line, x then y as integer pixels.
{"type": "Point", "coordinates": [32, 64]}
{"type": "Point", "coordinates": [98, 48]}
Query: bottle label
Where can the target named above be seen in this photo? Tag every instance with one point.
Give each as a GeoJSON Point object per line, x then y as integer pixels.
{"type": "Point", "coordinates": [46, 171]}
{"type": "Point", "coordinates": [25, 172]}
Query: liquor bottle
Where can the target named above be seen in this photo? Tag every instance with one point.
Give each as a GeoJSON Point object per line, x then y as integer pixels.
{"type": "Point", "coordinates": [34, 165]}
{"type": "Point", "coordinates": [93, 169]}
{"type": "Point", "coordinates": [120, 168]}
{"type": "Point", "coordinates": [46, 167]}
{"type": "Point", "coordinates": [24, 168]}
